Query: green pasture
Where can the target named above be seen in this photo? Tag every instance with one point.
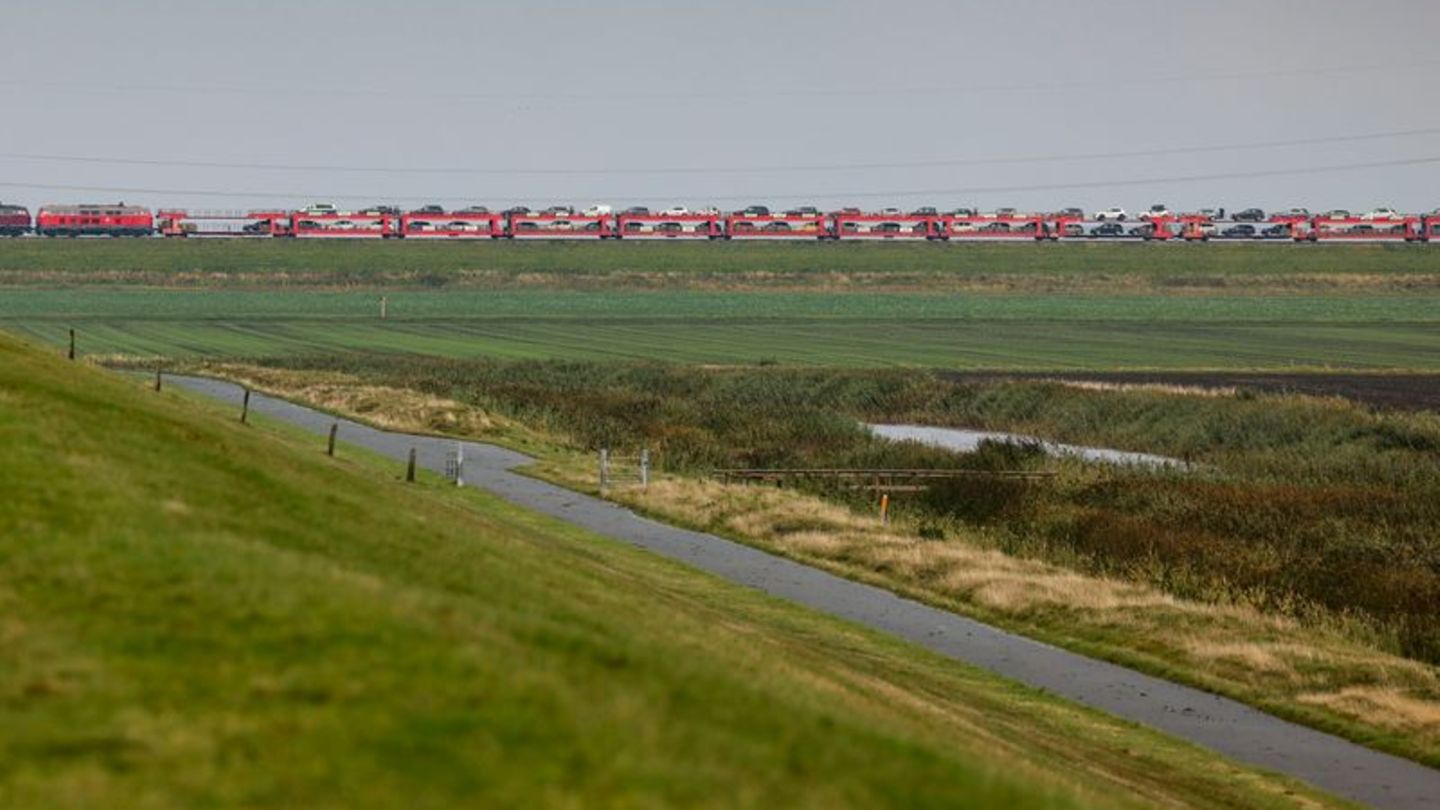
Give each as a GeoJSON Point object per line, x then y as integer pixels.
{"type": "Point", "coordinates": [844, 329]}
{"type": "Point", "coordinates": [359, 261]}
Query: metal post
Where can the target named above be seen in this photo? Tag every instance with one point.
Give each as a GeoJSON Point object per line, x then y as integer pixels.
{"type": "Point", "coordinates": [459, 464]}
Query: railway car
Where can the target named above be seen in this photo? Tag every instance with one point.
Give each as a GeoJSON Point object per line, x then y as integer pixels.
{"type": "Point", "coordinates": [852, 224]}
{"type": "Point", "coordinates": [1365, 229]}
{"type": "Point", "coordinates": [555, 224]}
{"type": "Point", "coordinates": [1064, 226]}
{"type": "Point", "coordinates": [1196, 227]}
{"type": "Point", "coordinates": [184, 223]}
{"type": "Point", "coordinates": [631, 225]}
{"type": "Point", "coordinates": [743, 225]}
{"type": "Point", "coordinates": [343, 225]}
{"type": "Point", "coordinates": [1144, 229]}
{"type": "Point", "coordinates": [991, 226]}
{"type": "Point", "coordinates": [94, 220]}
{"type": "Point", "coordinates": [469, 224]}
{"type": "Point", "coordinates": [14, 220]}
{"type": "Point", "coordinates": [1163, 227]}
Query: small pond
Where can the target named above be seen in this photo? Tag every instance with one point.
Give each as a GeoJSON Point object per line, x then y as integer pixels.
{"type": "Point", "coordinates": [965, 441]}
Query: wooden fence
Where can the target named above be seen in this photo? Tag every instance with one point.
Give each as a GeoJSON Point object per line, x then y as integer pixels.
{"type": "Point", "coordinates": [876, 480]}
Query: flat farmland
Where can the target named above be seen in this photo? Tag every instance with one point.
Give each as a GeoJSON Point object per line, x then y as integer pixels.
{"type": "Point", "coordinates": [846, 329]}
{"type": "Point", "coordinates": [263, 263]}
{"type": "Point", "coordinates": [992, 307]}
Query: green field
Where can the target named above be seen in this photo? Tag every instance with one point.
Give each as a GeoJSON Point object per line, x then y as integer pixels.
{"type": "Point", "coordinates": [349, 262]}
{"type": "Point", "coordinates": [1033, 331]}
{"type": "Point", "coordinates": [117, 304]}
{"type": "Point", "coordinates": [1088, 306]}
{"type": "Point", "coordinates": [358, 642]}
{"type": "Point", "coordinates": [848, 343]}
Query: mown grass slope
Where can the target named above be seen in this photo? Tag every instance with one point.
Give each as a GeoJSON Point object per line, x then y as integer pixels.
{"type": "Point", "coordinates": [199, 613]}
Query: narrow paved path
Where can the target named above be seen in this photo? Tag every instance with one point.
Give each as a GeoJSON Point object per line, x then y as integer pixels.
{"type": "Point", "coordinates": [1233, 729]}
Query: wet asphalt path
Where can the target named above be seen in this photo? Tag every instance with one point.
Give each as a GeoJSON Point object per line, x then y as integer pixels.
{"type": "Point", "coordinates": [1230, 728]}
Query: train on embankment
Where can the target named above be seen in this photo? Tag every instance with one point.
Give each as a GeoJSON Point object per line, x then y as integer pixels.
{"type": "Point", "coordinates": [758, 222]}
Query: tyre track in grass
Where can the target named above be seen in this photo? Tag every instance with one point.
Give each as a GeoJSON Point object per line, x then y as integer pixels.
{"type": "Point", "coordinates": [1228, 727]}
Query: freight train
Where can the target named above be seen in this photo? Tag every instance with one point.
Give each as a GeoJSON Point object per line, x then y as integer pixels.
{"type": "Point", "coordinates": [323, 221]}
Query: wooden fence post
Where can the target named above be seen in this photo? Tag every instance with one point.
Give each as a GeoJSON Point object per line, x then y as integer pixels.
{"type": "Point", "coordinates": [604, 469]}
{"type": "Point", "coordinates": [157, 378]}
{"type": "Point", "coordinates": [245, 408]}
{"type": "Point", "coordinates": [71, 354]}
{"type": "Point", "coordinates": [645, 467]}
{"type": "Point", "coordinates": [330, 445]}
{"type": "Point", "coordinates": [383, 302]}
{"type": "Point", "coordinates": [410, 468]}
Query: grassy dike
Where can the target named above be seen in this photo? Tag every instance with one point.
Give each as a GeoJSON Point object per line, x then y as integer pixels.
{"type": "Point", "coordinates": [199, 613]}
{"type": "Point", "coordinates": [1321, 671]}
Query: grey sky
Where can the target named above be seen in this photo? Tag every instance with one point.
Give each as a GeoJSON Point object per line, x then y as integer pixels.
{"type": "Point", "coordinates": [721, 88]}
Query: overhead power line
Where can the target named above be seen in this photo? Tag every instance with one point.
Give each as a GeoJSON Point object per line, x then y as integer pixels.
{"type": "Point", "coordinates": [598, 94]}
{"type": "Point", "coordinates": [768, 169]}
{"type": "Point", "coordinates": [931, 192]}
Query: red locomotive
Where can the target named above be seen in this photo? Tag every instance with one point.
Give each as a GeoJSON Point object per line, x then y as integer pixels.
{"type": "Point", "coordinates": [94, 220]}
{"type": "Point", "coordinates": [14, 220]}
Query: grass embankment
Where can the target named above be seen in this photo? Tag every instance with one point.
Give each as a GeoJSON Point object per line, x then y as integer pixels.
{"type": "Point", "coordinates": [198, 613]}
{"type": "Point", "coordinates": [1290, 574]}
{"type": "Point", "coordinates": [710, 265]}
{"type": "Point", "coordinates": [1036, 330]}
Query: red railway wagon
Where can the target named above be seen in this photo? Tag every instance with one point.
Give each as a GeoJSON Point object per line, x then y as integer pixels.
{"type": "Point", "coordinates": [14, 220]}
{"type": "Point", "coordinates": [1196, 227]}
{"type": "Point", "coordinates": [343, 226]}
{"type": "Point", "coordinates": [850, 225]}
{"type": "Point", "coordinates": [1064, 226]}
{"type": "Point", "coordinates": [1360, 229]}
{"type": "Point", "coordinates": [1163, 227]}
{"type": "Point", "coordinates": [776, 226]}
{"type": "Point", "coordinates": [94, 220]}
{"type": "Point", "coordinates": [1431, 231]}
{"type": "Point", "coordinates": [454, 225]}
{"type": "Point", "coordinates": [989, 226]}
{"type": "Point", "coordinates": [660, 226]}
{"type": "Point", "coordinates": [560, 226]}
{"type": "Point", "coordinates": [184, 223]}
